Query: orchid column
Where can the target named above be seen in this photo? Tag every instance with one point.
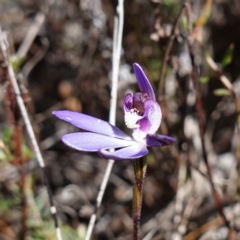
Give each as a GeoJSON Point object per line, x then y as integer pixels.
{"type": "Point", "coordinates": [142, 114]}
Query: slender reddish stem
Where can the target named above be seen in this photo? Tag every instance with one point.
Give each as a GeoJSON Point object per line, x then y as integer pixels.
{"type": "Point", "coordinates": [201, 122]}
{"type": "Point", "coordinates": [18, 162]}
{"type": "Point", "coordinates": [140, 167]}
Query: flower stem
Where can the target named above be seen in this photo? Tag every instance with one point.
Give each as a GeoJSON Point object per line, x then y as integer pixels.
{"type": "Point", "coordinates": [140, 167]}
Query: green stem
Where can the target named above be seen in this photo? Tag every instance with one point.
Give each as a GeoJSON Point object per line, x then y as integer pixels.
{"type": "Point", "coordinates": [140, 167]}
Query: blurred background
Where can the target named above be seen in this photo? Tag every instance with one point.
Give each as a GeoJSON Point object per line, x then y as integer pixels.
{"type": "Point", "coordinates": [66, 63]}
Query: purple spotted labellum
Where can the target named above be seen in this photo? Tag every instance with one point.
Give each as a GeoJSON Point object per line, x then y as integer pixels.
{"type": "Point", "coordinates": [141, 113]}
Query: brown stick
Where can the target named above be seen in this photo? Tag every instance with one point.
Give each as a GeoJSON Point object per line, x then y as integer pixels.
{"type": "Point", "coordinates": [168, 50]}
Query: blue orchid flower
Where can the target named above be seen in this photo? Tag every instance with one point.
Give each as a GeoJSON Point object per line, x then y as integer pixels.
{"type": "Point", "coordinates": [141, 113]}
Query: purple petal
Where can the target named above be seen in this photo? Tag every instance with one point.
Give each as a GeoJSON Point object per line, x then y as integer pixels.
{"type": "Point", "coordinates": [152, 117]}
{"type": "Point", "coordinates": [91, 142]}
{"type": "Point", "coordinates": [90, 124]}
{"type": "Point", "coordinates": [143, 81]}
{"type": "Point", "coordinates": [157, 140]}
{"type": "Point", "coordinates": [128, 153]}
